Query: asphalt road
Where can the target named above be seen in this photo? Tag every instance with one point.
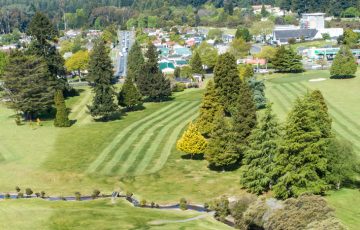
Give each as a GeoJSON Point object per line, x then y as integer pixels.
{"type": "Point", "coordinates": [126, 40]}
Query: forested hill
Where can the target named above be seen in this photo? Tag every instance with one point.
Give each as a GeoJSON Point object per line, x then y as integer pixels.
{"type": "Point", "coordinates": [16, 14]}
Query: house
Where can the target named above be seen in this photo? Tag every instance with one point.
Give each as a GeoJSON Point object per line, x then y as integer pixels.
{"type": "Point", "coordinates": [327, 53]}
{"type": "Point", "coordinates": [313, 21]}
{"type": "Point", "coordinates": [166, 67]}
{"type": "Point", "coordinates": [227, 38]}
{"type": "Point", "coordinates": [182, 51]}
{"type": "Point", "coordinates": [281, 37]}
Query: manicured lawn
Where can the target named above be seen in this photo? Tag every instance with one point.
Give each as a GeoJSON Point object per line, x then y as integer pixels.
{"type": "Point", "coordinates": [347, 206]}
{"type": "Point", "coordinates": [136, 153]}
{"type": "Point", "coordinates": [342, 97]}
{"type": "Point", "coordinates": [100, 214]}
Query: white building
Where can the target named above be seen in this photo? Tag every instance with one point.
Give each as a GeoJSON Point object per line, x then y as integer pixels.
{"type": "Point", "coordinates": [313, 21]}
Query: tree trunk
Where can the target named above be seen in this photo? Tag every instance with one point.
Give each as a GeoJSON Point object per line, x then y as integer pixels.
{"type": "Point", "coordinates": [338, 185]}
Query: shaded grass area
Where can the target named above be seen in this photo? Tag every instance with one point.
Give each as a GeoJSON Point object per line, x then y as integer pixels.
{"type": "Point", "coordinates": [342, 99]}
{"type": "Point", "coordinates": [100, 214]}
{"type": "Point", "coordinates": [347, 206]}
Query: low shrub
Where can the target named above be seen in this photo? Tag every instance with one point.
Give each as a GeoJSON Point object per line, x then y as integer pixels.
{"type": "Point", "coordinates": [17, 188]}
{"type": "Point", "coordinates": [183, 204]}
{"type": "Point", "coordinates": [178, 87]}
{"type": "Point", "coordinates": [20, 195]}
{"type": "Point", "coordinates": [77, 196]}
{"type": "Point", "coordinates": [95, 193]}
{"type": "Point", "coordinates": [7, 196]}
{"type": "Point", "coordinates": [152, 205]}
{"type": "Point", "coordinates": [143, 203]}
{"type": "Point", "coordinates": [129, 194]}
{"type": "Point", "coordinates": [37, 194]}
{"type": "Point", "coordinates": [42, 194]}
{"type": "Point", "coordinates": [28, 191]}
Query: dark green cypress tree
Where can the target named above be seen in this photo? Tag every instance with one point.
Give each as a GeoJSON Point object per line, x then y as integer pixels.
{"type": "Point", "coordinates": [61, 119]}
{"type": "Point", "coordinates": [227, 81]}
{"type": "Point", "coordinates": [221, 149]}
{"type": "Point", "coordinates": [301, 164]}
{"type": "Point", "coordinates": [243, 117]}
{"type": "Point", "coordinates": [101, 74]}
{"type": "Point", "coordinates": [196, 64]}
{"type": "Point", "coordinates": [28, 84]}
{"type": "Point", "coordinates": [243, 33]}
{"type": "Point", "coordinates": [129, 96]}
{"type": "Point", "coordinates": [287, 61]}
{"type": "Point", "coordinates": [151, 82]}
{"type": "Point", "coordinates": [209, 107]}
{"type": "Point", "coordinates": [135, 61]}
{"type": "Point", "coordinates": [45, 34]}
{"type": "Point", "coordinates": [258, 161]}
{"type": "Point", "coordinates": [344, 64]}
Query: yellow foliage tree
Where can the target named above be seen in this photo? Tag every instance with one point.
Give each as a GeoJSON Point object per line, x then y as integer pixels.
{"type": "Point", "coordinates": [192, 141]}
{"type": "Point", "coordinates": [78, 61]}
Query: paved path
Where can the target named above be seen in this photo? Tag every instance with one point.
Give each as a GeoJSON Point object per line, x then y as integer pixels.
{"type": "Point", "coordinates": [158, 222]}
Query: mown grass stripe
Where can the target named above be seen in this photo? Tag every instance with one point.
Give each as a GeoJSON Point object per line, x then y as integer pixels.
{"type": "Point", "coordinates": [335, 109]}
{"type": "Point", "coordinates": [6, 153]}
{"type": "Point", "coordinates": [80, 106]}
{"type": "Point", "coordinates": [338, 124]}
{"type": "Point", "coordinates": [154, 138]}
{"type": "Point", "coordinates": [166, 151]}
{"type": "Point", "coordinates": [274, 92]}
{"type": "Point", "coordinates": [118, 138]}
{"type": "Point", "coordinates": [157, 143]}
{"type": "Point", "coordinates": [127, 140]}
{"type": "Point", "coordinates": [131, 139]}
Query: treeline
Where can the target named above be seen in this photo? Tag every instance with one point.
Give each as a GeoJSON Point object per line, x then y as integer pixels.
{"type": "Point", "coordinates": [301, 155]}
{"type": "Point", "coordinates": [16, 14]}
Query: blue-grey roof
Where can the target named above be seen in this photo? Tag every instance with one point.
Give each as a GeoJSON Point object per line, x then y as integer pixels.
{"type": "Point", "coordinates": [285, 35]}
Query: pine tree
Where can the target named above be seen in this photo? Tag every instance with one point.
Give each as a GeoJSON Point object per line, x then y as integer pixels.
{"type": "Point", "coordinates": [209, 107]}
{"type": "Point", "coordinates": [227, 81]}
{"type": "Point", "coordinates": [301, 163]}
{"type": "Point", "coordinates": [28, 84]}
{"type": "Point", "coordinates": [45, 35]}
{"type": "Point", "coordinates": [151, 82]}
{"type": "Point", "coordinates": [243, 116]}
{"type": "Point", "coordinates": [192, 141]}
{"type": "Point", "coordinates": [196, 64]}
{"type": "Point", "coordinates": [101, 73]}
{"type": "Point", "coordinates": [287, 61]}
{"type": "Point", "coordinates": [258, 161]}
{"type": "Point", "coordinates": [135, 61]}
{"type": "Point", "coordinates": [129, 95]}
{"type": "Point", "coordinates": [344, 64]}
{"type": "Point", "coordinates": [221, 149]}
{"type": "Point", "coordinates": [61, 119]}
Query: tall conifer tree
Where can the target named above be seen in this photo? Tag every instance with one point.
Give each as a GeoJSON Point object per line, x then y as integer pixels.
{"type": "Point", "coordinates": [151, 82]}
{"type": "Point", "coordinates": [209, 107]}
{"type": "Point", "coordinates": [258, 161]}
{"type": "Point", "coordinates": [301, 163]}
{"type": "Point", "coordinates": [243, 116]}
{"type": "Point", "coordinates": [196, 64]}
{"type": "Point", "coordinates": [101, 73]}
{"type": "Point", "coordinates": [227, 80]}
{"type": "Point", "coordinates": [61, 119]}
{"type": "Point", "coordinates": [221, 149]}
{"type": "Point", "coordinates": [135, 61]}
{"type": "Point", "coordinates": [129, 95]}
{"type": "Point", "coordinates": [28, 84]}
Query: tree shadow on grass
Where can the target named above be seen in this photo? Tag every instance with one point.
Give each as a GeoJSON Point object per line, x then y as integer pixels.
{"type": "Point", "coordinates": [343, 77]}
{"type": "Point", "coordinates": [228, 168]}
{"type": "Point", "coordinates": [197, 157]}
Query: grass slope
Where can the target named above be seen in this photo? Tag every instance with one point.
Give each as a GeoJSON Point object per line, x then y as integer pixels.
{"type": "Point", "coordinates": [100, 214]}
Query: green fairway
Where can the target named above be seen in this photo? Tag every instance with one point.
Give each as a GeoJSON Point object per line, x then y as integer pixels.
{"type": "Point", "coordinates": [100, 214]}
{"type": "Point", "coordinates": [342, 98]}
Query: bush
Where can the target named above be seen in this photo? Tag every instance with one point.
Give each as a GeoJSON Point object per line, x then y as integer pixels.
{"type": "Point", "coordinates": [221, 208]}
{"type": "Point", "coordinates": [62, 198]}
{"type": "Point", "coordinates": [152, 205]}
{"type": "Point", "coordinates": [143, 203]}
{"type": "Point", "coordinates": [18, 120]}
{"type": "Point", "coordinates": [206, 206]}
{"type": "Point", "coordinates": [157, 206]}
{"type": "Point", "coordinates": [77, 196]}
{"type": "Point", "coordinates": [95, 193]}
{"type": "Point", "coordinates": [183, 204]}
{"type": "Point", "coordinates": [37, 194]}
{"type": "Point", "coordinates": [17, 188]}
{"type": "Point", "coordinates": [129, 194]}
{"type": "Point", "coordinates": [7, 196]}
{"type": "Point", "coordinates": [179, 87]}
{"type": "Point", "coordinates": [42, 194]}
{"type": "Point", "coordinates": [20, 195]}
{"type": "Point", "coordinates": [28, 191]}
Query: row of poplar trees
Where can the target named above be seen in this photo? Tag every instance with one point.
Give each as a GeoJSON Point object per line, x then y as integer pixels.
{"type": "Point", "coordinates": [34, 81]}
{"type": "Point", "coordinates": [302, 155]}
